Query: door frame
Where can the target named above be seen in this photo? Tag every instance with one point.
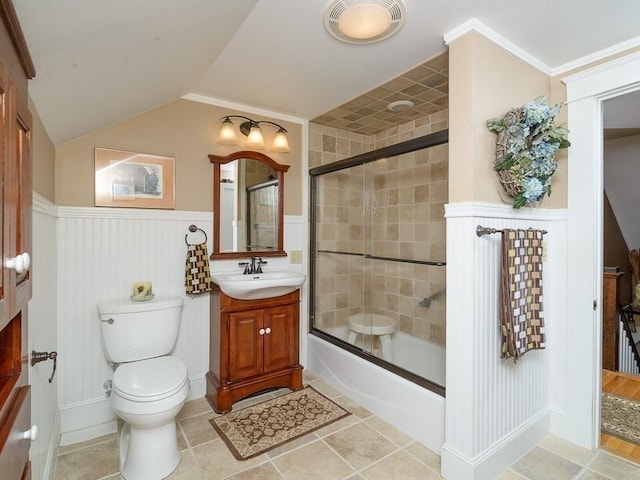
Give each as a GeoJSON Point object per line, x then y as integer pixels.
{"type": "Point", "coordinates": [585, 93]}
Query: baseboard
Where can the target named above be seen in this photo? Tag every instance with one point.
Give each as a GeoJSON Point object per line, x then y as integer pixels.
{"type": "Point", "coordinates": [84, 421]}
{"type": "Point", "coordinates": [492, 462]}
{"type": "Point", "coordinates": [54, 444]}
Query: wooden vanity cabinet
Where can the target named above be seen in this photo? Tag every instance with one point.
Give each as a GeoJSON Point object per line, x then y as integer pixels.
{"type": "Point", "coordinates": [254, 346]}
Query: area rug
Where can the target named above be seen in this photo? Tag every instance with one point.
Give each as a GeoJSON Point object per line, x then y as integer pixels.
{"type": "Point", "coordinates": [621, 417]}
{"type": "Point", "coordinates": [257, 429]}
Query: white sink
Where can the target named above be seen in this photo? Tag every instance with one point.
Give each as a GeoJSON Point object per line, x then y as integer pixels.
{"type": "Point", "coordinates": [259, 285]}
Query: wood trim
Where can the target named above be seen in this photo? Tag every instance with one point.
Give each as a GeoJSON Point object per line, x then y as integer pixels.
{"type": "Point", "coordinates": [11, 22]}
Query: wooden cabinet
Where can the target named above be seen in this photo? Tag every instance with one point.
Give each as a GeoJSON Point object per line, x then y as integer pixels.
{"type": "Point", "coordinates": [254, 346]}
{"type": "Point", "coordinates": [15, 274]}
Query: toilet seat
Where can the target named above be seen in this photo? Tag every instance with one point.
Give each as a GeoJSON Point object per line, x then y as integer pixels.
{"type": "Point", "coordinates": [150, 380]}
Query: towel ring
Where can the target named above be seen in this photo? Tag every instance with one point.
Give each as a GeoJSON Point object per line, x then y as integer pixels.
{"type": "Point", "coordinates": [193, 228]}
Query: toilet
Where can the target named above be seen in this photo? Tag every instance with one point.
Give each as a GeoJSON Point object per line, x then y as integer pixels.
{"type": "Point", "coordinates": [149, 386]}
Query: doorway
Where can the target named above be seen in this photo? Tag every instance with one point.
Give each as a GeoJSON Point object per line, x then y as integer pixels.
{"type": "Point", "coordinates": [586, 92]}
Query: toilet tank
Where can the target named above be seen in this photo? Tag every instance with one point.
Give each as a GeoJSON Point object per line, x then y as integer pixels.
{"type": "Point", "coordinates": [134, 331]}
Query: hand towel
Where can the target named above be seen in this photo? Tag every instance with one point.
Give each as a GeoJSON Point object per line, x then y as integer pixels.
{"type": "Point", "coordinates": [521, 314]}
{"type": "Point", "coordinates": [197, 275]}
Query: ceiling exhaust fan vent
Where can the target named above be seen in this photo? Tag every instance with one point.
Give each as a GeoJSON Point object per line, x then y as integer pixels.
{"type": "Point", "coordinates": [364, 21]}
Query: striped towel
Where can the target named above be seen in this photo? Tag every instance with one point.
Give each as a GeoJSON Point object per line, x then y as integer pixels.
{"type": "Point", "coordinates": [521, 315]}
{"type": "Point", "coordinates": [197, 275]}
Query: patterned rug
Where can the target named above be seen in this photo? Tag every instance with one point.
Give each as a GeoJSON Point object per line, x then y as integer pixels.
{"type": "Point", "coordinates": [257, 429]}
{"type": "Point", "coordinates": [621, 417]}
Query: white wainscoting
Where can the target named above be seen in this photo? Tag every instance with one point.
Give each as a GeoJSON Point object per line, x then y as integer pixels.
{"type": "Point", "coordinates": [497, 410]}
{"type": "Point", "coordinates": [101, 252]}
{"type": "Point", "coordinates": [42, 337]}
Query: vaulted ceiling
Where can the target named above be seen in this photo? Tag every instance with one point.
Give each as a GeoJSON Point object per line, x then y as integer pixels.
{"type": "Point", "coordinates": [99, 63]}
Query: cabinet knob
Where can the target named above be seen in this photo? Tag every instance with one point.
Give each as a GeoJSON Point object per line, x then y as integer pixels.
{"type": "Point", "coordinates": [19, 263]}
{"type": "Point", "coordinates": [261, 331]}
{"type": "Point", "coordinates": [268, 330]}
{"type": "Point", "coordinates": [31, 434]}
{"type": "Point", "coordinates": [16, 263]}
{"type": "Point", "coordinates": [26, 258]}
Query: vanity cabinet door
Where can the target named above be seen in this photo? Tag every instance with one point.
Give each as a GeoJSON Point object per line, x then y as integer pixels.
{"type": "Point", "coordinates": [246, 345]}
{"type": "Point", "coordinates": [280, 338]}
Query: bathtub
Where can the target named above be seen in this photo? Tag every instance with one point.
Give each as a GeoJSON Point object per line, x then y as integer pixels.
{"type": "Point", "coordinates": [416, 411]}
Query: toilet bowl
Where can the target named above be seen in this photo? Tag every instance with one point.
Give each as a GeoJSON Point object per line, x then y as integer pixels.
{"type": "Point", "coordinates": [149, 387]}
{"type": "Point", "coordinates": [147, 396]}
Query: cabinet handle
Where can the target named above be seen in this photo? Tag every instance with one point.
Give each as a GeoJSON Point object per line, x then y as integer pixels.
{"type": "Point", "coordinates": [268, 330]}
{"type": "Point", "coordinates": [30, 434]}
{"type": "Point", "coordinates": [261, 331]}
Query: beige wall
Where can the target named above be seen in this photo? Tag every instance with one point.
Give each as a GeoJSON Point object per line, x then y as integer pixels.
{"type": "Point", "coordinates": [184, 129]}
{"type": "Point", "coordinates": [44, 156]}
{"type": "Point", "coordinates": [486, 81]}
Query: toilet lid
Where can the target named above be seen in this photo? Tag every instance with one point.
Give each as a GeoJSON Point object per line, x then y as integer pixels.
{"type": "Point", "coordinates": [149, 380]}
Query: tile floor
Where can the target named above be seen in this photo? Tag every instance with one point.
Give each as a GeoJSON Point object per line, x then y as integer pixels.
{"type": "Point", "coordinates": [358, 447]}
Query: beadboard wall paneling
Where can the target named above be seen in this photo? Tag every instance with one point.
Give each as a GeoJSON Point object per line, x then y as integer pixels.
{"type": "Point", "coordinates": [507, 401]}
{"type": "Point", "coordinates": [100, 253]}
{"type": "Point", "coordinates": [42, 337]}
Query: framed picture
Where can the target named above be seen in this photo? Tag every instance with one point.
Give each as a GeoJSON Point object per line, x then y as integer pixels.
{"type": "Point", "coordinates": [136, 180]}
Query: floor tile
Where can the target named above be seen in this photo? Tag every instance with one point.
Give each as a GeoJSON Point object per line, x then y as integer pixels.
{"type": "Point", "coordinates": [426, 456]}
{"type": "Point", "coordinates": [614, 467]}
{"type": "Point", "coordinates": [195, 407]}
{"type": "Point", "coordinates": [188, 468]}
{"type": "Point", "coordinates": [541, 464]}
{"type": "Point", "coordinates": [353, 407]}
{"type": "Point", "coordinates": [93, 441]}
{"type": "Point", "coordinates": [315, 461]}
{"type": "Point", "coordinates": [293, 444]}
{"type": "Point", "coordinates": [216, 461]}
{"type": "Point", "coordinates": [570, 451]}
{"type": "Point", "coordinates": [266, 471]}
{"type": "Point", "coordinates": [92, 462]}
{"type": "Point", "coordinates": [360, 445]}
{"type": "Point", "coordinates": [198, 429]}
{"type": "Point", "coordinates": [590, 475]}
{"type": "Point", "coordinates": [325, 389]}
{"type": "Point", "coordinates": [389, 431]}
{"type": "Point", "coordinates": [399, 465]}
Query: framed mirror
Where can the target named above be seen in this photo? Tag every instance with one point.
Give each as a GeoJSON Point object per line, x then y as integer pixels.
{"type": "Point", "coordinates": [248, 205]}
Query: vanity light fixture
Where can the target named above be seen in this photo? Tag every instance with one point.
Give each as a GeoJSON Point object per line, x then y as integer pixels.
{"type": "Point", "coordinates": [364, 21]}
{"type": "Point", "coordinates": [251, 129]}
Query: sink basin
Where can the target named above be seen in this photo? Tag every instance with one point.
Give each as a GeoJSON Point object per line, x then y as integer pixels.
{"type": "Point", "coordinates": [259, 285]}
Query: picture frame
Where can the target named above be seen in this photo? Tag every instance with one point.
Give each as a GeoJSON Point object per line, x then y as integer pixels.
{"type": "Point", "coordinates": [134, 180]}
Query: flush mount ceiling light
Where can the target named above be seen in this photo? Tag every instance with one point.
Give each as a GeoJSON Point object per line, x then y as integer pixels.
{"type": "Point", "coordinates": [400, 105]}
{"type": "Point", "coordinates": [251, 129]}
{"type": "Point", "coordinates": [364, 21]}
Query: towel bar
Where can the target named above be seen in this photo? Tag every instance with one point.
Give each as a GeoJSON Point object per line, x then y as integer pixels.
{"type": "Point", "coordinates": [480, 231]}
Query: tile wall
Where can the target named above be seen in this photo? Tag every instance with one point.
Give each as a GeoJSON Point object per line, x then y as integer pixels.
{"type": "Point", "coordinates": [393, 207]}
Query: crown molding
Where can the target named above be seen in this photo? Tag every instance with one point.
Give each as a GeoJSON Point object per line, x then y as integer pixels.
{"type": "Point", "coordinates": [475, 25]}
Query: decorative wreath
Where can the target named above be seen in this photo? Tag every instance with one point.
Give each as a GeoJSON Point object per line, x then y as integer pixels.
{"type": "Point", "coordinates": [526, 145]}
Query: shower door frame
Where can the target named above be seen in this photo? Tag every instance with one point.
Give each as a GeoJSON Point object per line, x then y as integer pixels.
{"type": "Point", "coordinates": [420, 143]}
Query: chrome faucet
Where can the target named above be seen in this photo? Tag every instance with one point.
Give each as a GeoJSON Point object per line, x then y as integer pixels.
{"type": "Point", "coordinates": [256, 264]}
{"type": "Point", "coordinates": [253, 267]}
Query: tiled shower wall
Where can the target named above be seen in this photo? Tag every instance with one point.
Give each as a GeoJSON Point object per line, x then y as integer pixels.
{"type": "Point", "coordinates": [390, 208]}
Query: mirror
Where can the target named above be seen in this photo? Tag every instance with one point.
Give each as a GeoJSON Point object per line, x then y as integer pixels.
{"type": "Point", "coordinates": [248, 205]}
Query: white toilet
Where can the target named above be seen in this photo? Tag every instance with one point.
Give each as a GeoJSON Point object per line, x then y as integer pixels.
{"type": "Point", "coordinates": [149, 387]}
